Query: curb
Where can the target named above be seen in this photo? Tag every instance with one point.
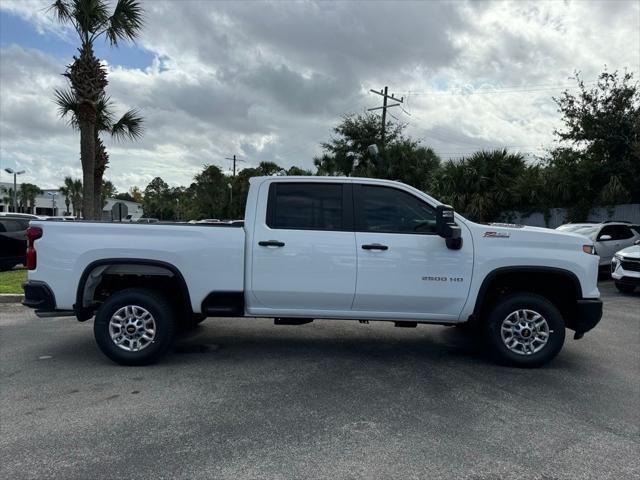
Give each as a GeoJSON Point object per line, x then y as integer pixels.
{"type": "Point", "coordinates": [11, 297]}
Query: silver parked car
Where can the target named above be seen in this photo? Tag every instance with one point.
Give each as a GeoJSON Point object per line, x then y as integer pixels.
{"type": "Point", "coordinates": [608, 237]}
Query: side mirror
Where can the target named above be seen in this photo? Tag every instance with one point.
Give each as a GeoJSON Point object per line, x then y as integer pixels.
{"type": "Point", "coordinates": [604, 238]}
{"type": "Point", "coordinates": [446, 227]}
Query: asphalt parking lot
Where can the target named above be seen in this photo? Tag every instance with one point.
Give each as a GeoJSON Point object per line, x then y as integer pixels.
{"type": "Point", "coordinates": [242, 398]}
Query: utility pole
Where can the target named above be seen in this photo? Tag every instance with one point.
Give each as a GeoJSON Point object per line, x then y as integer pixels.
{"type": "Point", "coordinates": [234, 159]}
{"type": "Point", "coordinates": [385, 96]}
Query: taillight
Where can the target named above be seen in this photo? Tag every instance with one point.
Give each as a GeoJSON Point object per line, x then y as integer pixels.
{"type": "Point", "coordinates": [33, 233]}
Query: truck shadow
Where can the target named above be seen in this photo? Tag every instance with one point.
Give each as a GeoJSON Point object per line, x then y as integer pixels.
{"type": "Point", "coordinates": [434, 344]}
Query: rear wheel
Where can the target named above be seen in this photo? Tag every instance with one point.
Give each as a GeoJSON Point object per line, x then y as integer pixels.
{"type": "Point", "coordinates": [524, 330]}
{"type": "Point", "coordinates": [134, 326]}
{"type": "Point", "coordinates": [625, 288]}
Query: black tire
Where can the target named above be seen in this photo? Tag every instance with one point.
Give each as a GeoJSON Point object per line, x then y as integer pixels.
{"type": "Point", "coordinates": [524, 301]}
{"type": "Point", "coordinates": [163, 316]}
{"type": "Point", "coordinates": [623, 288]}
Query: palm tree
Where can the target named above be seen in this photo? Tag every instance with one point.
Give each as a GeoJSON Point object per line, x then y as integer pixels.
{"type": "Point", "coordinates": [129, 126]}
{"type": "Point", "coordinates": [7, 196]}
{"type": "Point", "coordinates": [108, 191]}
{"type": "Point", "coordinates": [27, 195]}
{"type": "Point", "coordinates": [88, 78]}
{"type": "Point", "coordinates": [75, 188]}
{"type": "Point", "coordinates": [65, 190]}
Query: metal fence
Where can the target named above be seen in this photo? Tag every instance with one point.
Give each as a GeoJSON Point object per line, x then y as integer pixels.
{"type": "Point", "coordinates": [629, 212]}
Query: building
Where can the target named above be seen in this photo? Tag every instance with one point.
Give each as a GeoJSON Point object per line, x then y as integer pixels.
{"type": "Point", "coordinates": [53, 203]}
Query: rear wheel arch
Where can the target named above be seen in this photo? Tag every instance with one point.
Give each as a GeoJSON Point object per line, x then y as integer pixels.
{"type": "Point", "coordinates": [85, 294]}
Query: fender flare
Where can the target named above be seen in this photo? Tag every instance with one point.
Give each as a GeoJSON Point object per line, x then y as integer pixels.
{"type": "Point", "coordinates": [482, 292]}
{"type": "Point", "coordinates": [84, 313]}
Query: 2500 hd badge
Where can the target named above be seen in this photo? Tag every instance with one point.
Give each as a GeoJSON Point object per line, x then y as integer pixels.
{"type": "Point", "coordinates": [443, 279]}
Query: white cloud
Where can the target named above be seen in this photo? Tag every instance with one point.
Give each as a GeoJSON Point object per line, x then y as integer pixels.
{"type": "Point", "coordinates": [268, 80]}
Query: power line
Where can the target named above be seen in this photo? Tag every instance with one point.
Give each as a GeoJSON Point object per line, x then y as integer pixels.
{"type": "Point", "coordinates": [540, 88]}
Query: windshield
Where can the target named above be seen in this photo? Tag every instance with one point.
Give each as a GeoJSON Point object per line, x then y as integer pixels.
{"type": "Point", "coordinates": [586, 230]}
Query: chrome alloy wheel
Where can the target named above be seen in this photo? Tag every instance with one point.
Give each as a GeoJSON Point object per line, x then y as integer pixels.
{"type": "Point", "coordinates": [525, 332]}
{"type": "Point", "coordinates": [132, 328]}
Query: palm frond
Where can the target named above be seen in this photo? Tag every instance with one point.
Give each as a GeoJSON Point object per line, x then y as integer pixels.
{"type": "Point", "coordinates": [67, 104]}
{"type": "Point", "coordinates": [89, 16]}
{"type": "Point", "coordinates": [104, 114]}
{"type": "Point", "coordinates": [125, 23]}
{"type": "Point", "coordinates": [62, 10]}
{"type": "Point", "coordinates": [130, 126]}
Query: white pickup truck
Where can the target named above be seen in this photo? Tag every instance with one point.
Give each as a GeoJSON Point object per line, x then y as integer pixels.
{"type": "Point", "coordinates": [318, 248]}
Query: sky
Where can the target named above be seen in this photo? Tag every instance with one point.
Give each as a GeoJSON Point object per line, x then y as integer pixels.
{"type": "Point", "coordinates": [268, 81]}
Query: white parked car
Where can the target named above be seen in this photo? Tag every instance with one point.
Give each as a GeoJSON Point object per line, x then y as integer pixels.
{"type": "Point", "coordinates": [625, 268]}
{"type": "Point", "coordinates": [608, 237]}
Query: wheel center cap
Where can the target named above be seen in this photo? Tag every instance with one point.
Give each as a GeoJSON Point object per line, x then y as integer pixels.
{"type": "Point", "coordinates": [526, 332]}
{"type": "Point", "coordinates": [131, 329]}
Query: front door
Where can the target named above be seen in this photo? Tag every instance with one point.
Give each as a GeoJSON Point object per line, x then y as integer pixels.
{"type": "Point", "coordinates": [304, 254]}
{"type": "Point", "coordinates": [405, 270]}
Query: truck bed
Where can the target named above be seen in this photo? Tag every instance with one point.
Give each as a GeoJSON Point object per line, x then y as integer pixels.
{"type": "Point", "coordinates": [209, 258]}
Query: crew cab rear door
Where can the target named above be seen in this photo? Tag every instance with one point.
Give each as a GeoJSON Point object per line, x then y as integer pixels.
{"type": "Point", "coordinates": [303, 249]}
{"type": "Point", "coordinates": [405, 270]}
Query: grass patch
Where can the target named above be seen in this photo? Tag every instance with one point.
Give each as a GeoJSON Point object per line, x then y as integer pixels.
{"type": "Point", "coordinates": [11, 281]}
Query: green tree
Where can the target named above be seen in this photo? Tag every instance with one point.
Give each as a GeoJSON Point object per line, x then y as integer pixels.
{"type": "Point", "coordinates": [108, 190]}
{"type": "Point", "coordinates": [65, 190]}
{"type": "Point", "coordinates": [601, 164]}
{"type": "Point", "coordinates": [483, 185]}
{"type": "Point", "coordinates": [7, 196]}
{"type": "Point", "coordinates": [27, 196]}
{"type": "Point", "coordinates": [133, 195]}
{"type": "Point", "coordinates": [76, 189]}
{"type": "Point", "coordinates": [210, 192]}
{"type": "Point", "coordinates": [297, 171]}
{"type": "Point", "coordinates": [349, 153]}
{"type": "Point", "coordinates": [87, 77]}
{"type": "Point", "coordinates": [155, 199]}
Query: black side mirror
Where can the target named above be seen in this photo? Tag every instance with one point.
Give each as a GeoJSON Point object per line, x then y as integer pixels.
{"type": "Point", "coordinates": [446, 227]}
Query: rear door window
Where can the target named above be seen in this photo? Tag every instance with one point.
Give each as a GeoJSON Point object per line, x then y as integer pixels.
{"type": "Point", "coordinates": [307, 206]}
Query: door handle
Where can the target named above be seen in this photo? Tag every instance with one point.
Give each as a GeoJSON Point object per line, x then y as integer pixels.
{"type": "Point", "coordinates": [375, 246]}
{"type": "Point", "coordinates": [270, 243]}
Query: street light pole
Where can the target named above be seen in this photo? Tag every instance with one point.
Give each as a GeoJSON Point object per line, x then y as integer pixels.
{"type": "Point", "coordinates": [15, 186]}
{"type": "Point", "coordinates": [53, 202]}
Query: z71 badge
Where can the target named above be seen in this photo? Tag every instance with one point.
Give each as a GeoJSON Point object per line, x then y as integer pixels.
{"type": "Point", "coordinates": [496, 235]}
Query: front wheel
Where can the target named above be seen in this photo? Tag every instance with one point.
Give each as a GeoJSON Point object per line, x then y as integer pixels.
{"type": "Point", "coordinates": [624, 288]}
{"type": "Point", "coordinates": [524, 330]}
{"type": "Point", "coordinates": [134, 326]}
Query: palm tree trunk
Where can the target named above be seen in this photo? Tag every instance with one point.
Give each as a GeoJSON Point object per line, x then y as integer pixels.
{"type": "Point", "coordinates": [102, 159]}
{"type": "Point", "coordinates": [97, 194]}
{"type": "Point", "coordinates": [87, 158]}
